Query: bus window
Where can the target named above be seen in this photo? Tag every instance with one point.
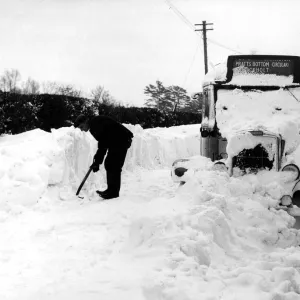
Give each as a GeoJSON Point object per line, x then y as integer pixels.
{"type": "Point", "coordinates": [211, 108]}
{"type": "Point", "coordinates": [205, 105]}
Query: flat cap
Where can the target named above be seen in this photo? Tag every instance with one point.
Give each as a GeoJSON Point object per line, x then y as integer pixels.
{"type": "Point", "coordinates": [79, 120]}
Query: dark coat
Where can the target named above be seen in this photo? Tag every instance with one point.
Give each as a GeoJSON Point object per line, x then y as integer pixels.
{"type": "Point", "coordinates": [110, 134]}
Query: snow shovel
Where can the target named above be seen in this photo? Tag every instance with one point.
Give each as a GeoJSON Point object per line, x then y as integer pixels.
{"type": "Point", "coordinates": [83, 181]}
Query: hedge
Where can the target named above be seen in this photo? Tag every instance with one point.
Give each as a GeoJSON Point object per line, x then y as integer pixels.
{"type": "Point", "coordinates": [19, 113]}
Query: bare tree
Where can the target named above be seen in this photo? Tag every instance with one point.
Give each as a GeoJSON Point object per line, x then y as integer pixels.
{"type": "Point", "coordinates": [97, 93]}
{"type": "Point", "coordinates": [31, 87]}
{"type": "Point", "coordinates": [68, 90]}
{"type": "Point", "coordinates": [52, 87]}
{"type": "Point", "coordinates": [100, 95]}
{"type": "Point", "coordinates": [49, 87]}
{"type": "Point", "coordinates": [108, 99]}
{"type": "Point", "coordinates": [9, 80]}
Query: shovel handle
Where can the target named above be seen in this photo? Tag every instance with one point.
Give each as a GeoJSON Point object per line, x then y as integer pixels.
{"type": "Point", "coordinates": [84, 180]}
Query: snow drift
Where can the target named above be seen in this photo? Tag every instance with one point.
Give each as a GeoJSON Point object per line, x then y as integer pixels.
{"type": "Point", "coordinates": [32, 161]}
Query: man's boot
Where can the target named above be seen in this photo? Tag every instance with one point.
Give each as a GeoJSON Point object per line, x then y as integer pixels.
{"type": "Point", "coordinates": [113, 185]}
{"type": "Point", "coordinates": [102, 193]}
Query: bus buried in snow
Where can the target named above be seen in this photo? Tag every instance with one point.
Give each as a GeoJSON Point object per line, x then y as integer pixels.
{"type": "Point", "coordinates": [251, 119]}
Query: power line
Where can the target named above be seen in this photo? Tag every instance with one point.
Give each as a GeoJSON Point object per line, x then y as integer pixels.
{"type": "Point", "coordinates": [218, 44]}
{"type": "Point", "coordinates": [189, 70]}
{"type": "Point", "coordinates": [204, 51]}
{"type": "Point", "coordinates": [180, 15]}
{"type": "Point", "coordinates": [191, 26]}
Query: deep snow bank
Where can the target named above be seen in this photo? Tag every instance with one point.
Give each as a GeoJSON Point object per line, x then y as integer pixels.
{"type": "Point", "coordinates": [32, 161]}
{"type": "Point", "coordinates": [218, 238]}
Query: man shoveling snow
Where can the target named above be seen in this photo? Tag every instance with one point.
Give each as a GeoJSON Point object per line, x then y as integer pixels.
{"type": "Point", "coordinates": [114, 139]}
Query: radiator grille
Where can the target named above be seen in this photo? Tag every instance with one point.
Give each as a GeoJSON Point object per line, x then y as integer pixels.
{"type": "Point", "coordinates": [253, 159]}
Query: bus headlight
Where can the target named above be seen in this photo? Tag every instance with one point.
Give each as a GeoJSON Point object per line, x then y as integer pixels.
{"type": "Point", "coordinates": [179, 172]}
{"type": "Point", "coordinates": [293, 172]}
{"type": "Point", "coordinates": [286, 200]}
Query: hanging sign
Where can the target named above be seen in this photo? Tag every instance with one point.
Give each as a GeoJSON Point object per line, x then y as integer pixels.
{"type": "Point", "coordinates": [281, 67]}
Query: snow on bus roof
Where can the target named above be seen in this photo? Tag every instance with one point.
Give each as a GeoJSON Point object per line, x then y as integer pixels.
{"type": "Point", "coordinates": [217, 73]}
{"type": "Point", "coordinates": [242, 77]}
{"type": "Point", "coordinates": [261, 79]}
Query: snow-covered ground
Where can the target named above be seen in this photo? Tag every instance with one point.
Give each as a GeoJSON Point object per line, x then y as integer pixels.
{"type": "Point", "coordinates": [216, 237]}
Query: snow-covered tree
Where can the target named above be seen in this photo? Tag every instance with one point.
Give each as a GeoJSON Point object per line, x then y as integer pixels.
{"type": "Point", "coordinates": [172, 98]}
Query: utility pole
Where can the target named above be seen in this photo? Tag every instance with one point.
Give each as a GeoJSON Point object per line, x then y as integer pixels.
{"type": "Point", "coordinates": [204, 29]}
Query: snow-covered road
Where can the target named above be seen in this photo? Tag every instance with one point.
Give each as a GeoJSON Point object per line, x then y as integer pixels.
{"type": "Point", "coordinates": [78, 249]}
{"type": "Point", "coordinates": [216, 237]}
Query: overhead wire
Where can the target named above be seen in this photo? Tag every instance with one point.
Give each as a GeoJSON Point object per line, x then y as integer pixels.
{"type": "Point", "coordinates": [180, 15]}
{"type": "Point", "coordinates": [225, 47]}
{"type": "Point", "coordinates": [190, 67]}
{"type": "Point", "coordinates": [191, 26]}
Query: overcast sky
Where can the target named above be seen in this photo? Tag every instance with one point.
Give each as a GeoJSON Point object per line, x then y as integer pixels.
{"type": "Point", "coordinates": [125, 45]}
